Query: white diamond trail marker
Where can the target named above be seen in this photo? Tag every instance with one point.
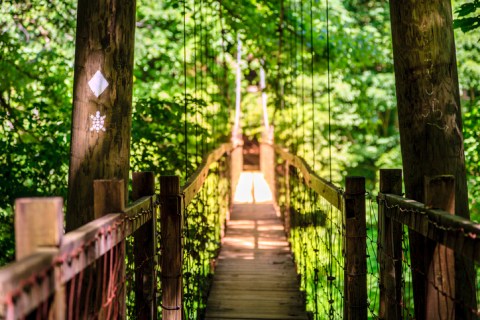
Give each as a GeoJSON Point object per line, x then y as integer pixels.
{"type": "Point", "coordinates": [98, 122]}
{"type": "Point", "coordinates": [98, 84]}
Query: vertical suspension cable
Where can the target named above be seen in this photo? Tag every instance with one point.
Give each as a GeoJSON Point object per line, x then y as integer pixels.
{"type": "Point", "coordinates": [238, 89]}
{"type": "Point", "coordinates": [202, 80]}
{"type": "Point", "coordinates": [312, 53]}
{"type": "Point", "coordinates": [195, 74]}
{"type": "Point", "coordinates": [292, 66]}
{"type": "Point", "coordinates": [195, 97]}
{"type": "Point", "coordinates": [215, 103]}
{"type": "Point", "coordinates": [224, 90]}
{"type": "Point", "coordinates": [302, 74]}
{"type": "Point", "coordinates": [295, 75]}
{"type": "Point", "coordinates": [328, 93]}
{"type": "Point", "coordinates": [185, 111]}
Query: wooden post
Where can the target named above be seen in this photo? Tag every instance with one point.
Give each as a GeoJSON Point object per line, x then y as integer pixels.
{"type": "Point", "coordinates": [440, 261]}
{"type": "Point", "coordinates": [355, 281]}
{"type": "Point", "coordinates": [102, 101]}
{"type": "Point", "coordinates": [39, 224]}
{"type": "Point", "coordinates": [144, 251]}
{"type": "Point", "coordinates": [390, 249]}
{"type": "Point", "coordinates": [287, 217]}
{"type": "Point", "coordinates": [236, 167]}
{"type": "Point", "coordinates": [109, 197]}
{"type": "Point", "coordinates": [171, 259]}
{"type": "Point", "coordinates": [267, 160]}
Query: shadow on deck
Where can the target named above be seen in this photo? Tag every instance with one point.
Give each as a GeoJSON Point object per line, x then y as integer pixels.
{"type": "Point", "coordinates": [255, 276]}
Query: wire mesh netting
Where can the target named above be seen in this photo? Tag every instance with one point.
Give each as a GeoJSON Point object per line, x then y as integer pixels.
{"type": "Point", "coordinates": [317, 230]}
{"type": "Point", "coordinates": [92, 276]}
{"type": "Point", "coordinates": [450, 280]}
{"type": "Point", "coordinates": [204, 218]}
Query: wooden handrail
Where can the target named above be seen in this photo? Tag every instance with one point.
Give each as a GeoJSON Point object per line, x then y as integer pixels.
{"type": "Point", "coordinates": [327, 190]}
{"type": "Point", "coordinates": [196, 180]}
{"type": "Point", "coordinates": [113, 227]}
{"type": "Point", "coordinates": [455, 232]}
{"type": "Point", "coordinates": [81, 247]}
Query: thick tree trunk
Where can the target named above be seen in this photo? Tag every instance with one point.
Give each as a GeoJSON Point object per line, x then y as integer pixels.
{"type": "Point", "coordinates": [101, 124]}
{"type": "Point", "coordinates": [430, 120]}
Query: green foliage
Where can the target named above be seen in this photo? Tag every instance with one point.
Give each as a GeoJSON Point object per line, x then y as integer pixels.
{"type": "Point", "coordinates": [36, 85]}
{"type": "Point", "coordinates": [358, 118]}
{"type": "Point", "coordinates": [471, 119]}
{"type": "Point", "coordinates": [35, 98]}
{"type": "Point", "coordinates": [468, 18]}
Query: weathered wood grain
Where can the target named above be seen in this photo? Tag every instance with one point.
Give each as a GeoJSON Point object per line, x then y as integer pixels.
{"type": "Point", "coordinates": [455, 232]}
{"type": "Point", "coordinates": [255, 277]}
{"type": "Point", "coordinates": [104, 42]}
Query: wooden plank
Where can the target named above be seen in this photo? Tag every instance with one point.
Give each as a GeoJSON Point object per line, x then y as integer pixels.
{"type": "Point", "coordinates": [251, 314]}
{"type": "Point", "coordinates": [254, 281]}
{"type": "Point", "coordinates": [324, 188]}
{"type": "Point", "coordinates": [196, 180]}
{"type": "Point", "coordinates": [455, 232]}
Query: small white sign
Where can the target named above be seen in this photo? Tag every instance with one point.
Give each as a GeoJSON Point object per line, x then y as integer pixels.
{"type": "Point", "coordinates": [98, 84]}
{"type": "Point", "coordinates": [98, 122]}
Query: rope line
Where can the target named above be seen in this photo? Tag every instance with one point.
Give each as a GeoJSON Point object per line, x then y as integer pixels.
{"type": "Point", "coordinates": [329, 92]}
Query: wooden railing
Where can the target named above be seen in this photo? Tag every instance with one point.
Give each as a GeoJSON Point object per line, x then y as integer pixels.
{"type": "Point", "coordinates": [450, 278]}
{"type": "Point", "coordinates": [444, 284]}
{"type": "Point", "coordinates": [51, 277]}
{"type": "Point", "coordinates": [343, 213]}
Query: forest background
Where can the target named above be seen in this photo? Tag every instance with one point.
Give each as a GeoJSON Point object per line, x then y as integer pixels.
{"type": "Point", "coordinates": [331, 94]}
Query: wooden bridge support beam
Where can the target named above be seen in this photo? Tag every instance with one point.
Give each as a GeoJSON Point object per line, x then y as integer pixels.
{"type": "Point", "coordinates": [355, 280]}
{"type": "Point", "coordinates": [144, 251]}
{"type": "Point", "coordinates": [390, 250]}
{"type": "Point", "coordinates": [172, 254]}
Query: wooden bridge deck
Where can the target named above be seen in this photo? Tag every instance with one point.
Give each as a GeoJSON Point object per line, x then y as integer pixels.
{"type": "Point", "coordinates": [255, 276]}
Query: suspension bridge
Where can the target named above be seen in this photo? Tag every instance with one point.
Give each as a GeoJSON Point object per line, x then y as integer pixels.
{"type": "Point", "coordinates": [252, 231]}
{"type": "Point", "coordinates": [279, 243]}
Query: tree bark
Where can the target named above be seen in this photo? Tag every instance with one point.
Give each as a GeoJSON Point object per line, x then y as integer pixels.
{"type": "Point", "coordinates": [104, 42]}
{"type": "Point", "coordinates": [429, 118]}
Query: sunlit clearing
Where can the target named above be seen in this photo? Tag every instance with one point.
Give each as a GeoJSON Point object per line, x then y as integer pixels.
{"type": "Point", "coordinates": [252, 188]}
